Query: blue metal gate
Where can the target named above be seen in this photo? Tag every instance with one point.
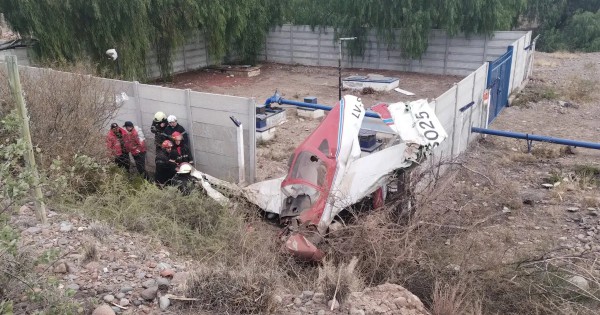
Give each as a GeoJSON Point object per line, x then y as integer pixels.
{"type": "Point", "coordinates": [498, 83]}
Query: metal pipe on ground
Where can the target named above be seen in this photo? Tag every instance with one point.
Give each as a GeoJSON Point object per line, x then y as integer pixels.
{"type": "Point", "coordinates": [279, 100]}
{"type": "Point", "coordinates": [530, 138]}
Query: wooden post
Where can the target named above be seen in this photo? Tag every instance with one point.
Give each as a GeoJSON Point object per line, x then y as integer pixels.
{"type": "Point", "coordinates": [15, 87]}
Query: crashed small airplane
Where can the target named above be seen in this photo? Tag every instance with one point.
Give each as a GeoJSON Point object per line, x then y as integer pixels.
{"type": "Point", "coordinates": [328, 172]}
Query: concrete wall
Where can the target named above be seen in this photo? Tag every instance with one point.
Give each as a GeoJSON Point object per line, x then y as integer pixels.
{"type": "Point", "coordinates": [192, 56]}
{"type": "Point", "coordinates": [205, 117]}
{"type": "Point", "coordinates": [459, 55]}
{"type": "Point", "coordinates": [521, 61]}
{"type": "Point", "coordinates": [459, 109]}
{"type": "Point", "coordinates": [21, 53]}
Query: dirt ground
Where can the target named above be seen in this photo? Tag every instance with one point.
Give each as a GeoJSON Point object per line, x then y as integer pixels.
{"type": "Point", "coordinates": [295, 83]}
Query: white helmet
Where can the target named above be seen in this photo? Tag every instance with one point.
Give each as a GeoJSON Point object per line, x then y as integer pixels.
{"type": "Point", "coordinates": [185, 168]}
{"type": "Point", "coordinates": [159, 116]}
{"type": "Point", "coordinates": [171, 118]}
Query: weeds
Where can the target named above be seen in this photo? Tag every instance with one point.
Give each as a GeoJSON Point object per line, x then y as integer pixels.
{"type": "Point", "coordinates": [193, 224]}
{"type": "Point", "coordinates": [534, 93]}
{"type": "Point", "coordinates": [226, 291]}
{"type": "Point", "coordinates": [580, 90]}
{"type": "Point", "coordinates": [337, 282]}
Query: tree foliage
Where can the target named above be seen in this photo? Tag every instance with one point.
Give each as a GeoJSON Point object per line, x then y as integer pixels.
{"type": "Point", "coordinates": [70, 30]}
{"type": "Point", "coordinates": [566, 24]}
{"type": "Point", "coordinates": [406, 23]}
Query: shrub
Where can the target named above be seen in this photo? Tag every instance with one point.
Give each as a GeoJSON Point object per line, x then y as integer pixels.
{"type": "Point", "coordinates": [193, 224]}
{"type": "Point", "coordinates": [227, 292]}
{"type": "Point", "coordinates": [68, 111]}
{"type": "Point", "coordinates": [338, 281]}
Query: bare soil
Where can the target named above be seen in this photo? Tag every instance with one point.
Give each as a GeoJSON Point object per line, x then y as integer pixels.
{"type": "Point", "coordinates": [294, 82]}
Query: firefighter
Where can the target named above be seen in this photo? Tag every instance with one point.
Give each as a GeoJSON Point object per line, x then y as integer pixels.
{"type": "Point", "coordinates": [176, 127]}
{"type": "Point", "coordinates": [115, 141]}
{"type": "Point", "coordinates": [165, 167]}
{"type": "Point", "coordinates": [181, 152]}
{"type": "Point", "coordinates": [136, 145]}
{"type": "Point", "coordinates": [183, 180]}
{"type": "Point", "coordinates": [159, 124]}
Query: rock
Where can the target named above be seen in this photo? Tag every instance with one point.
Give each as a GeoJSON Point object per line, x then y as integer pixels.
{"type": "Point", "coordinates": [149, 293]}
{"type": "Point", "coordinates": [278, 299]}
{"type": "Point", "coordinates": [163, 283]}
{"type": "Point", "coordinates": [572, 209]}
{"type": "Point", "coordinates": [179, 278]}
{"type": "Point", "coordinates": [355, 311]}
{"type": "Point", "coordinates": [307, 294]}
{"type": "Point", "coordinates": [91, 266]}
{"type": "Point", "coordinates": [137, 302]}
{"type": "Point", "coordinates": [333, 304]}
{"type": "Point", "coordinates": [61, 268]}
{"type": "Point", "coordinates": [103, 310]}
{"type": "Point", "coordinates": [297, 301]}
{"type": "Point", "coordinates": [151, 264]}
{"type": "Point", "coordinates": [163, 266]}
{"type": "Point", "coordinates": [33, 230]}
{"type": "Point", "coordinates": [126, 289]}
{"type": "Point", "coordinates": [164, 302]}
{"type": "Point", "coordinates": [579, 282]}
{"type": "Point", "coordinates": [108, 298]}
{"type": "Point", "coordinates": [167, 273]}
{"type": "Point", "coordinates": [505, 209]}
{"type": "Point", "coordinates": [149, 283]}
{"type": "Point", "coordinates": [66, 226]}
{"type": "Point", "coordinates": [318, 298]}
{"type": "Point", "coordinates": [115, 309]}
{"type": "Point", "coordinates": [321, 312]}
{"type": "Point", "coordinates": [124, 302]}
{"type": "Point", "coordinates": [140, 275]}
{"type": "Point", "coordinates": [63, 241]}
{"type": "Point", "coordinates": [73, 286]}
{"type": "Point", "coordinates": [120, 295]}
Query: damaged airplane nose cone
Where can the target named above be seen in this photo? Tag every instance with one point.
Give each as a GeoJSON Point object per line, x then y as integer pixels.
{"type": "Point", "coordinates": [302, 248]}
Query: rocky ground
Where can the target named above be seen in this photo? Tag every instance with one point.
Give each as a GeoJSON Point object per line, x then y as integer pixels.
{"type": "Point", "coordinates": [129, 273]}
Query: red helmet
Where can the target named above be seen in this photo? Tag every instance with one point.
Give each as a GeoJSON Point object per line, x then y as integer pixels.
{"type": "Point", "coordinates": [177, 136]}
{"type": "Point", "coordinates": [167, 144]}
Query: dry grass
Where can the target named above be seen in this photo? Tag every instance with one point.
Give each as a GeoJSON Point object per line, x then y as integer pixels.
{"type": "Point", "coordinates": [338, 281]}
{"type": "Point", "coordinates": [90, 252]}
{"type": "Point", "coordinates": [232, 292]}
{"type": "Point", "coordinates": [580, 90]}
{"type": "Point", "coordinates": [68, 111]}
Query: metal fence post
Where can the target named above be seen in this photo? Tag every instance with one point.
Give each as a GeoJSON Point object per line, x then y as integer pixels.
{"type": "Point", "coordinates": [452, 149]}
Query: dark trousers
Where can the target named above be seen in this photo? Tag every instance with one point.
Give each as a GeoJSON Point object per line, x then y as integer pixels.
{"type": "Point", "coordinates": [140, 164]}
{"type": "Point", "coordinates": [123, 161]}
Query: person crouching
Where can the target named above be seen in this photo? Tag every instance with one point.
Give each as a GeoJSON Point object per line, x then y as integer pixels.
{"type": "Point", "coordinates": [180, 153]}
{"type": "Point", "coordinates": [165, 167]}
{"type": "Point", "coordinates": [183, 180]}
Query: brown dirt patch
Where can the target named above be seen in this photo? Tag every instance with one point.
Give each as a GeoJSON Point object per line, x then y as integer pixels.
{"type": "Point", "coordinates": [295, 82]}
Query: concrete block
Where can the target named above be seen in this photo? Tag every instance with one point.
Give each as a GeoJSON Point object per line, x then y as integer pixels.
{"type": "Point", "coordinates": [266, 135]}
{"type": "Point", "coordinates": [310, 113]}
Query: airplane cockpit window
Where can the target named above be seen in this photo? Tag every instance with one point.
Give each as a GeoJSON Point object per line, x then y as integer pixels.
{"type": "Point", "coordinates": [324, 147]}
{"type": "Point", "coordinates": [310, 168]}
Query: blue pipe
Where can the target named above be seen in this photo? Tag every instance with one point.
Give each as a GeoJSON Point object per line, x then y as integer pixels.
{"type": "Point", "coordinates": [279, 100]}
{"type": "Point", "coordinates": [529, 137]}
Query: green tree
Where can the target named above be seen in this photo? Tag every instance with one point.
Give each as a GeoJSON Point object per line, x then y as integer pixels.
{"type": "Point", "coordinates": [68, 31]}
{"type": "Point", "coordinates": [406, 24]}
{"type": "Point", "coordinates": [565, 24]}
